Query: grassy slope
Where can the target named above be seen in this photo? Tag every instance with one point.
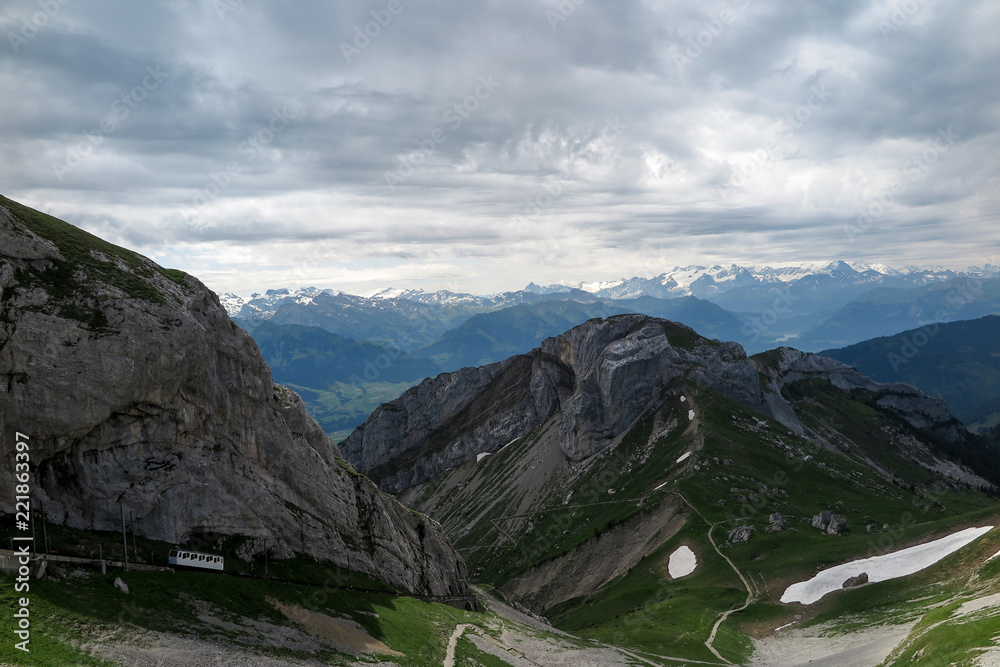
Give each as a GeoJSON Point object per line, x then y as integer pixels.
{"type": "Point", "coordinates": [944, 636]}
{"type": "Point", "coordinates": [90, 259]}
{"type": "Point", "coordinates": [91, 609]}
{"type": "Point", "coordinates": [748, 468]}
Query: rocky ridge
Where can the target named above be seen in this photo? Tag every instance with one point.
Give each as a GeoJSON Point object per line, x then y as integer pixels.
{"type": "Point", "coordinates": [136, 388]}
{"type": "Point", "coordinates": [919, 410]}
{"type": "Point", "coordinates": [594, 381]}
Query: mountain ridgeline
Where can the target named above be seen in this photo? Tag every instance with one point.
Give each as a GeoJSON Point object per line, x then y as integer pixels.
{"type": "Point", "coordinates": [594, 382]}
{"type": "Point", "coordinates": [958, 361]}
{"type": "Point", "coordinates": [810, 307]}
{"type": "Point", "coordinates": [140, 396]}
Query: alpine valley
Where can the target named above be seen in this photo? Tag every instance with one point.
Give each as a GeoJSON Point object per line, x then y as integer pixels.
{"type": "Point", "coordinates": [564, 475]}
{"type": "Point", "coordinates": [411, 335]}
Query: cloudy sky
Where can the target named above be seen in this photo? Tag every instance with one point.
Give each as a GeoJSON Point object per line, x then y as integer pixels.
{"type": "Point", "coordinates": [477, 145]}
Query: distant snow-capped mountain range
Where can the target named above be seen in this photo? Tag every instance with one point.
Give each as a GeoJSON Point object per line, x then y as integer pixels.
{"type": "Point", "coordinates": [734, 287]}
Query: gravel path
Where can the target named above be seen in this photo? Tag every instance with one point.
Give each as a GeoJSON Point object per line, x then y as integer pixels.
{"type": "Point", "coordinates": [809, 646]}
{"type": "Point", "coordinates": [449, 657]}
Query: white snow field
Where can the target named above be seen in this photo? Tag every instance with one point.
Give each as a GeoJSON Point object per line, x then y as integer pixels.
{"type": "Point", "coordinates": [882, 568]}
{"type": "Point", "coordinates": [682, 562]}
{"type": "Point", "coordinates": [683, 456]}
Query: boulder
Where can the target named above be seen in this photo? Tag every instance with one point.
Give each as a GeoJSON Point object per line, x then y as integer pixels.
{"type": "Point", "coordinates": [777, 523]}
{"type": "Point", "coordinates": [859, 580]}
{"type": "Point", "coordinates": [830, 523]}
{"type": "Point", "coordinates": [742, 534]}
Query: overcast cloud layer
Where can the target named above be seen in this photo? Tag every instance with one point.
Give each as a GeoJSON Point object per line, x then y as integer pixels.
{"type": "Point", "coordinates": [479, 145]}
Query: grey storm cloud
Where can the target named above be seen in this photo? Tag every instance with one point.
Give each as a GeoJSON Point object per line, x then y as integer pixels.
{"type": "Point", "coordinates": [445, 129]}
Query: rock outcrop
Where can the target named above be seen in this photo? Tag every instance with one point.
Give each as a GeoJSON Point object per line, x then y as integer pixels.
{"type": "Point", "coordinates": [136, 388]}
{"type": "Point", "coordinates": [741, 534]}
{"type": "Point", "coordinates": [777, 523]}
{"type": "Point", "coordinates": [830, 523]}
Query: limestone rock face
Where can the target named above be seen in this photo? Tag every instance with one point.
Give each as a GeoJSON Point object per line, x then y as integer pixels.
{"type": "Point", "coordinates": [595, 380]}
{"type": "Point", "coordinates": [135, 387]}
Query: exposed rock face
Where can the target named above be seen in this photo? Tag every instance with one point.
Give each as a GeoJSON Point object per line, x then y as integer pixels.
{"type": "Point", "coordinates": [830, 523]}
{"type": "Point", "coordinates": [135, 387]}
{"type": "Point", "coordinates": [741, 534]}
{"type": "Point", "coordinates": [595, 379]}
{"type": "Point", "coordinates": [777, 523]}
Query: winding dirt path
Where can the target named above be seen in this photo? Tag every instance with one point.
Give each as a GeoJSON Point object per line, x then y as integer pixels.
{"type": "Point", "coordinates": [449, 656]}
{"type": "Point", "coordinates": [750, 591]}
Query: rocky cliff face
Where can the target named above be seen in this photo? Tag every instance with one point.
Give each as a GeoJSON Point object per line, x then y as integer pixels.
{"type": "Point", "coordinates": [594, 381]}
{"type": "Point", "coordinates": [136, 388]}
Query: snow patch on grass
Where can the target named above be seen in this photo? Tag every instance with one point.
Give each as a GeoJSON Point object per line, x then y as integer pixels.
{"type": "Point", "coordinates": [682, 562]}
{"type": "Point", "coordinates": [882, 568]}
